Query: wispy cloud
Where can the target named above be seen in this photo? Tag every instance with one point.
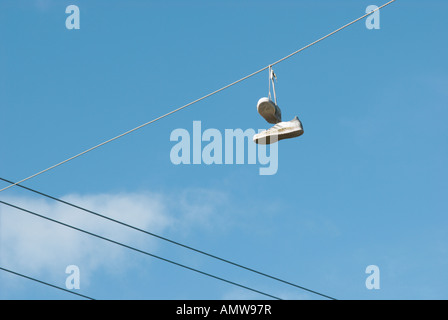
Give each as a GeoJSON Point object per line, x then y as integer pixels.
{"type": "Point", "coordinates": [42, 248]}
{"type": "Point", "coordinates": [37, 246]}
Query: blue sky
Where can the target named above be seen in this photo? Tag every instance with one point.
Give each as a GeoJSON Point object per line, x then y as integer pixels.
{"type": "Point", "coordinates": [365, 185]}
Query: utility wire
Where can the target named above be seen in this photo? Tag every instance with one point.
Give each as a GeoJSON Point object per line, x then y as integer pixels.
{"type": "Point", "coordinates": [138, 250]}
{"type": "Point", "coordinates": [171, 241]}
{"type": "Point", "coordinates": [197, 100]}
{"type": "Point", "coordinates": [45, 283]}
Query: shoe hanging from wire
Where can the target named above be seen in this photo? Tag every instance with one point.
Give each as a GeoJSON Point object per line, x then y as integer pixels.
{"type": "Point", "coordinates": [271, 112]}
{"type": "Point", "coordinates": [267, 108]}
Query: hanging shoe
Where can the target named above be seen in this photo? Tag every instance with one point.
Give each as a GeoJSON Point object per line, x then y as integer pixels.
{"type": "Point", "coordinates": [269, 110]}
{"type": "Point", "coordinates": [282, 130]}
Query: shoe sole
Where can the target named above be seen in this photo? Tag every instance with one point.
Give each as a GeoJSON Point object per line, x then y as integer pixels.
{"type": "Point", "coordinates": [284, 133]}
{"type": "Point", "coordinates": [267, 110]}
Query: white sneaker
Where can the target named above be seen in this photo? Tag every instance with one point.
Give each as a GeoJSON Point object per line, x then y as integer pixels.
{"type": "Point", "coordinates": [282, 130]}
{"type": "Point", "coordinates": [269, 110]}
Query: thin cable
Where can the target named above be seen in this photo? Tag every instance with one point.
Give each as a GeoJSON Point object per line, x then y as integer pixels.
{"type": "Point", "coordinates": [45, 283]}
{"type": "Point", "coordinates": [171, 241]}
{"type": "Point", "coordinates": [138, 250]}
{"type": "Point", "coordinates": [197, 100]}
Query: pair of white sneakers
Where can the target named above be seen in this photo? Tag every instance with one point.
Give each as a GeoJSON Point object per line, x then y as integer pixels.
{"type": "Point", "coordinates": [281, 130]}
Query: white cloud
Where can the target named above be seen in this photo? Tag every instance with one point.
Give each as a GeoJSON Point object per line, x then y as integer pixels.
{"type": "Point", "coordinates": [200, 208]}
{"type": "Point", "coordinates": [35, 246]}
{"type": "Point", "coordinates": [43, 249]}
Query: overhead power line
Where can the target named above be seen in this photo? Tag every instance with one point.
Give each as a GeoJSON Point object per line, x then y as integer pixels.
{"type": "Point", "coordinates": [170, 241]}
{"type": "Point", "coordinates": [45, 283]}
{"type": "Point", "coordinates": [197, 100]}
{"type": "Point", "coordinates": [139, 250]}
